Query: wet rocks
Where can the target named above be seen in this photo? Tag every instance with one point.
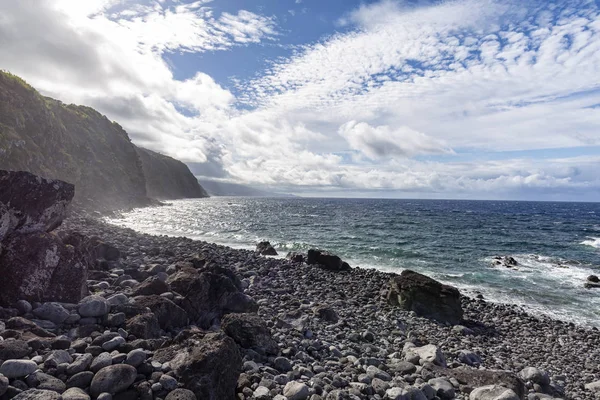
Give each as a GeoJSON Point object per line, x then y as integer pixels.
{"type": "Point", "coordinates": [17, 368]}
{"type": "Point", "coordinates": [326, 260]}
{"type": "Point", "coordinates": [426, 297]}
{"type": "Point", "coordinates": [505, 261]}
{"type": "Point", "coordinates": [592, 282]}
{"type": "Point", "coordinates": [266, 249]}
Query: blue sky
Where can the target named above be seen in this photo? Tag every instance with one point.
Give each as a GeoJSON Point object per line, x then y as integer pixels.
{"type": "Point", "coordinates": [390, 98]}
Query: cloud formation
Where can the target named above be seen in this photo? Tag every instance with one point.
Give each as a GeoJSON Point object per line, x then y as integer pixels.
{"type": "Point", "coordinates": [464, 97]}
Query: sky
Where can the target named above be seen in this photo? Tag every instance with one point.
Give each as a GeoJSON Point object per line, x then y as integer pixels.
{"type": "Point", "coordinates": [479, 99]}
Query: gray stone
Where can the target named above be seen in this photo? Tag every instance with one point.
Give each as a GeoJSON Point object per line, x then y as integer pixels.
{"type": "Point", "coordinates": [105, 396]}
{"type": "Point", "coordinates": [493, 392]}
{"type": "Point", "coordinates": [23, 306]}
{"type": "Point", "coordinates": [40, 380]}
{"type": "Point", "coordinates": [535, 375]}
{"type": "Point", "coordinates": [117, 299]}
{"type": "Point", "coordinates": [81, 363]}
{"type": "Point", "coordinates": [168, 382]}
{"type": "Point", "coordinates": [52, 312]}
{"type": "Point", "coordinates": [443, 388]}
{"type": "Point", "coordinates": [469, 358]}
{"type": "Point", "coordinates": [3, 384]}
{"type": "Point", "coordinates": [93, 306]}
{"type": "Point", "coordinates": [80, 380]}
{"type": "Point", "coordinates": [58, 357]}
{"type": "Point", "coordinates": [430, 353]}
{"type": "Point", "coordinates": [296, 391]}
{"type": "Point", "coordinates": [181, 394]}
{"type": "Point", "coordinates": [262, 393]}
{"type": "Point", "coordinates": [282, 364]}
{"type": "Point", "coordinates": [37, 394]}
{"type": "Point", "coordinates": [75, 394]}
{"type": "Point", "coordinates": [113, 379]}
{"type": "Point", "coordinates": [101, 361]}
{"type": "Point", "coordinates": [593, 387]}
{"type": "Point", "coordinates": [17, 368]}
{"type": "Point", "coordinates": [113, 343]}
{"type": "Point", "coordinates": [136, 357]}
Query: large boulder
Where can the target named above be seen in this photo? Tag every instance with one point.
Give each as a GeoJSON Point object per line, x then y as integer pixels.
{"type": "Point", "coordinates": [250, 332]}
{"type": "Point", "coordinates": [209, 294]}
{"type": "Point", "coordinates": [41, 267]}
{"type": "Point", "coordinates": [29, 203]}
{"type": "Point", "coordinates": [426, 297]}
{"type": "Point", "coordinates": [326, 260]}
{"type": "Point", "coordinates": [169, 314]}
{"type": "Point", "coordinates": [208, 364]}
{"type": "Point", "coordinates": [266, 249]}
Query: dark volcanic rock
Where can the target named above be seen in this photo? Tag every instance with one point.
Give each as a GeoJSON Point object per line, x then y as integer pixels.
{"type": "Point", "coordinates": [143, 326]}
{"type": "Point", "coordinates": [250, 332]}
{"type": "Point", "coordinates": [32, 204]}
{"type": "Point", "coordinates": [209, 295]}
{"type": "Point", "coordinates": [169, 314]}
{"type": "Point", "coordinates": [41, 267]}
{"type": "Point", "coordinates": [477, 377]}
{"type": "Point", "coordinates": [326, 260]}
{"type": "Point", "coordinates": [207, 364]}
{"type": "Point", "coordinates": [425, 296]}
{"type": "Point", "coordinates": [152, 285]}
{"type": "Point", "coordinates": [266, 249]}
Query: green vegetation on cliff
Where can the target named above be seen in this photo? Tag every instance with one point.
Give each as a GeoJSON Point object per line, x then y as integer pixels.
{"type": "Point", "coordinates": [168, 178]}
{"type": "Point", "coordinates": [79, 145]}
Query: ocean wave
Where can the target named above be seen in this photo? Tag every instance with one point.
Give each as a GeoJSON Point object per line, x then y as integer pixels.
{"type": "Point", "coordinates": [592, 241]}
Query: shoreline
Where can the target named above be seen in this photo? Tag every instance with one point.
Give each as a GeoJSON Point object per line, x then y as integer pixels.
{"type": "Point", "coordinates": [504, 336]}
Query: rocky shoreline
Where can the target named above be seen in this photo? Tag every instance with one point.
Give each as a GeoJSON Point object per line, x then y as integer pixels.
{"type": "Point", "coordinates": [176, 319]}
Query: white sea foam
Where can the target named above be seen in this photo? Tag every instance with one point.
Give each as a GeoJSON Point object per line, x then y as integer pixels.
{"type": "Point", "coordinates": [592, 241]}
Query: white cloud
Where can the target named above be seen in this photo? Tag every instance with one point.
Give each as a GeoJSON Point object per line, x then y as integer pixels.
{"type": "Point", "coordinates": [382, 106]}
{"type": "Point", "coordinates": [382, 141]}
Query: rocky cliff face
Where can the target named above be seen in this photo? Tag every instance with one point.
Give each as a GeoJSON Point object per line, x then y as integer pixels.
{"type": "Point", "coordinates": [168, 178]}
{"type": "Point", "coordinates": [68, 142]}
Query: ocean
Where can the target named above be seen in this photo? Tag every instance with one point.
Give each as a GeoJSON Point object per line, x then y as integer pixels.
{"type": "Point", "coordinates": [556, 245]}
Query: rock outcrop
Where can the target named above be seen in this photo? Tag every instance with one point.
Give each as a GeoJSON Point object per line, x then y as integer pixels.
{"type": "Point", "coordinates": [326, 260]}
{"type": "Point", "coordinates": [36, 264]}
{"type": "Point", "coordinates": [168, 178]}
{"type": "Point", "coordinates": [266, 249]}
{"type": "Point", "coordinates": [72, 143]}
{"type": "Point", "coordinates": [208, 364]}
{"type": "Point", "coordinates": [426, 297]}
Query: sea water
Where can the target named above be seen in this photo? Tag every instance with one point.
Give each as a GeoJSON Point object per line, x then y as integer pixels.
{"type": "Point", "coordinates": [557, 245]}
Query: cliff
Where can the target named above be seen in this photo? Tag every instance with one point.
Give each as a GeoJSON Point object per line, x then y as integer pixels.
{"type": "Point", "coordinates": [79, 145]}
{"type": "Point", "coordinates": [168, 178]}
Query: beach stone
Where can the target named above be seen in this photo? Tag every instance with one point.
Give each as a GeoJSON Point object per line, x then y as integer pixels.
{"type": "Point", "coordinates": [44, 381]}
{"type": "Point", "coordinates": [75, 394]}
{"type": "Point", "coordinates": [113, 379]}
{"type": "Point", "coordinates": [250, 332]}
{"type": "Point", "coordinates": [80, 380]}
{"type": "Point", "coordinates": [80, 364]}
{"type": "Point", "coordinates": [57, 357]}
{"type": "Point", "coordinates": [485, 377]}
{"type": "Point", "coordinates": [52, 312]}
{"type": "Point", "coordinates": [265, 249]}
{"type": "Point", "coordinates": [442, 387]}
{"type": "Point", "coordinates": [144, 326]}
{"type": "Point", "coordinates": [23, 306]}
{"type": "Point", "coordinates": [10, 349]}
{"type": "Point", "coordinates": [105, 396]}
{"type": "Point", "coordinates": [326, 260]}
{"type": "Point", "coordinates": [282, 364]}
{"type": "Point", "coordinates": [181, 394]}
{"type": "Point", "coordinates": [168, 382]}
{"type": "Point", "coordinates": [427, 297]}
{"type": "Point", "coordinates": [113, 343]}
{"type": "Point", "coordinates": [430, 353]}
{"type": "Point", "coordinates": [102, 360]}
{"type": "Point", "coordinates": [493, 392]}
{"type": "Point", "coordinates": [3, 384]}
{"type": "Point", "coordinates": [136, 357]}
{"type": "Point", "coordinates": [209, 294]}
{"type": "Point", "coordinates": [593, 279]}
{"type": "Point", "coordinates": [151, 286]}
{"type": "Point", "coordinates": [535, 375]}
{"type": "Point", "coordinates": [469, 358]}
{"type": "Point", "coordinates": [326, 313]}
{"type": "Point", "coordinates": [296, 391]}
{"type": "Point", "coordinates": [117, 299]}
{"type": "Point", "coordinates": [93, 306]}
{"type": "Point", "coordinates": [593, 386]}
{"type": "Point", "coordinates": [168, 314]}
{"type": "Point", "coordinates": [17, 368]}
{"type": "Point", "coordinates": [206, 363]}
{"type": "Point", "coordinates": [38, 394]}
